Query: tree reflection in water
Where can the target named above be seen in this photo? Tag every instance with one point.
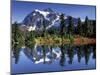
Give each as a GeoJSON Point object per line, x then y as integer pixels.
{"type": "Point", "coordinates": [70, 53]}
{"type": "Point", "coordinates": [94, 51]}
{"type": "Point", "coordinates": [16, 52]}
{"type": "Point", "coordinates": [46, 54]}
{"type": "Point", "coordinates": [62, 60]}
{"type": "Point", "coordinates": [86, 53]}
{"type": "Point", "coordinates": [79, 53]}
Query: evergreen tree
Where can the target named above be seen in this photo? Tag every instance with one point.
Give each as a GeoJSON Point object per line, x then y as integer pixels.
{"type": "Point", "coordinates": [17, 34]}
{"type": "Point", "coordinates": [70, 25]}
{"type": "Point", "coordinates": [90, 33]}
{"type": "Point", "coordinates": [62, 25]}
{"type": "Point", "coordinates": [44, 29]}
{"type": "Point", "coordinates": [29, 39]}
{"type": "Point", "coordinates": [86, 26]}
{"type": "Point", "coordinates": [94, 28]}
{"type": "Point", "coordinates": [79, 27]}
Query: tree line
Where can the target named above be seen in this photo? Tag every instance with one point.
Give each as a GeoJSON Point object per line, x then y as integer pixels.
{"type": "Point", "coordinates": [85, 29]}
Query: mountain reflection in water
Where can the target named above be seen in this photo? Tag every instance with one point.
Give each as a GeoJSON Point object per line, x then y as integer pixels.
{"type": "Point", "coordinates": [47, 56]}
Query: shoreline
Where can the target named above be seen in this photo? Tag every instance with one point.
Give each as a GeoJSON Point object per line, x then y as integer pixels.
{"type": "Point", "coordinates": [75, 41]}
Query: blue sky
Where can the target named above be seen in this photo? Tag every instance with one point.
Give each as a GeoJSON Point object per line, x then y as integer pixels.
{"type": "Point", "coordinates": [20, 9]}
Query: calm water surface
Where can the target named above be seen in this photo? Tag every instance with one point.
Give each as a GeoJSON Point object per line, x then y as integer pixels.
{"type": "Point", "coordinates": [44, 58]}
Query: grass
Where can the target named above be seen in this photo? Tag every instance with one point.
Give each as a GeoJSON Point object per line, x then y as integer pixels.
{"type": "Point", "coordinates": [77, 40]}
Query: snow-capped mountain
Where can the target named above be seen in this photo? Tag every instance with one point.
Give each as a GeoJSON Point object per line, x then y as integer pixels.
{"type": "Point", "coordinates": [34, 20]}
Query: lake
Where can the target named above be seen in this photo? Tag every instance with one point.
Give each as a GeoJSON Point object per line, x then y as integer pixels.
{"type": "Point", "coordinates": [53, 58]}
